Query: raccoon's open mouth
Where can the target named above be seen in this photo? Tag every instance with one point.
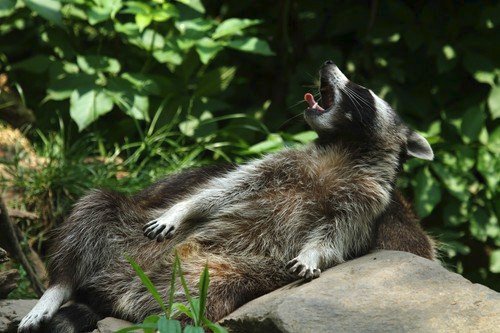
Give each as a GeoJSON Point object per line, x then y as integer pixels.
{"type": "Point", "coordinates": [326, 101]}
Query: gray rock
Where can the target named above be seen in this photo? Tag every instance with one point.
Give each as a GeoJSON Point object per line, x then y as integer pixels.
{"type": "Point", "coordinates": [385, 291]}
{"type": "Point", "coordinates": [12, 311]}
{"type": "Point", "coordinates": [110, 325]}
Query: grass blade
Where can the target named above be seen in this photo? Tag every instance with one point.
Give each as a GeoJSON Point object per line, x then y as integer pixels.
{"type": "Point", "coordinates": [186, 289]}
{"type": "Point", "coordinates": [172, 289]}
{"type": "Point", "coordinates": [147, 282]}
{"type": "Point", "coordinates": [204, 282]}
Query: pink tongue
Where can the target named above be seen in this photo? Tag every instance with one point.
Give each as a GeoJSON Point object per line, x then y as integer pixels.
{"type": "Point", "coordinates": [309, 98]}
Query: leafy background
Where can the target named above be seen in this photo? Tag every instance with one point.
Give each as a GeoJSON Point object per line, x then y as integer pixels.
{"type": "Point", "coordinates": [125, 92]}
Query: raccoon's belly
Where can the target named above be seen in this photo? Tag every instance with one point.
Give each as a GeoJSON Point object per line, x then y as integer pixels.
{"type": "Point", "coordinates": [257, 228]}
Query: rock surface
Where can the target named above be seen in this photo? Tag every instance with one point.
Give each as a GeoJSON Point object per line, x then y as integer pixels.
{"type": "Point", "coordinates": [12, 311]}
{"type": "Point", "coordinates": [110, 325]}
{"type": "Point", "coordinates": [385, 291]}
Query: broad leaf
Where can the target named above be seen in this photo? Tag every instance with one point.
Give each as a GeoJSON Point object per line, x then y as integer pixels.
{"type": "Point", "coordinates": [495, 261]}
{"type": "Point", "coordinates": [233, 26]}
{"type": "Point", "coordinates": [251, 45]}
{"type": "Point", "coordinates": [427, 193]}
{"type": "Point", "coordinates": [48, 9]}
{"type": "Point", "coordinates": [94, 64]}
{"type": "Point", "coordinates": [494, 102]}
{"type": "Point", "coordinates": [36, 64]}
{"type": "Point", "coordinates": [194, 4]}
{"type": "Point", "coordinates": [207, 49]}
{"type": "Point", "coordinates": [88, 105]}
{"type": "Point", "coordinates": [169, 325]}
{"type": "Point", "coordinates": [7, 7]}
{"type": "Point", "coordinates": [193, 329]}
{"type": "Point", "coordinates": [472, 123]}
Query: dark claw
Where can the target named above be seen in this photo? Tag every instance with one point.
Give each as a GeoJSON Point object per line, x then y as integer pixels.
{"type": "Point", "coordinates": [291, 263]}
{"type": "Point", "coordinates": [150, 223]}
{"type": "Point", "coordinates": [170, 233]}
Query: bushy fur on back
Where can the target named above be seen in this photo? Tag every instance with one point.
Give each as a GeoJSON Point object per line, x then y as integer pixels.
{"type": "Point", "coordinates": [259, 225]}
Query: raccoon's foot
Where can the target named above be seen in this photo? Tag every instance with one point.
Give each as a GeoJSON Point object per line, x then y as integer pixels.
{"type": "Point", "coordinates": [33, 321]}
{"type": "Point", "coordinates": [303, 269]}
{"type": "Point", "coordinates": [45, 309]}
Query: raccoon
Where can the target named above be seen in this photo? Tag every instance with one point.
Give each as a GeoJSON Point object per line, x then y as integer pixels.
{"type": "Point", "coordinates": [257, 226]}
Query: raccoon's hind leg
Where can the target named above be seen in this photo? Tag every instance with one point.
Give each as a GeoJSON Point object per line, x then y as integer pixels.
{"type": "Point", "coordinates": [398, 229]}
{"type": "Point", "coordinates": [50, 302]}
{"type": "Point", "coordinates": [234, 279]}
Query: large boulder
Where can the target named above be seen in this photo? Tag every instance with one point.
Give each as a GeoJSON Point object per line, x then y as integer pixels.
{"type": "Point", "coordinates": [12, 311]}
{"type": "Point", "coordinates": [385, 291]}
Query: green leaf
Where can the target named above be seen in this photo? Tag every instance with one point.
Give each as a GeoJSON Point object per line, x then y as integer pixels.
{"type": "Point", "coordinates": [251, 45]}
{"type": "Point", "coordinates": [494, 141]}
{"type": "Point", "coordinates": [193, 329]}
{"type": "Point", "coordinates": [143, 20]}
{"type": "Point", "coordinates": [36, 64]}
{"type": "Point", "coordinates": [48, 9]}
{"type": "Point", "coordinates": [306, 137]}
{"type": "Point", "coordinates": [495, 261]}
{"type": "Point", "coordinates": [488, 166]}
{"type": "Point", "coordinates": [215, 81]}
{"type": "Point", "coordinates": [479, 223]}
{"type": "Point", "coordinates": [273, 142]}
{"type": "Point", "coordinates": [7, 7]}
{"type": "Point", "coordinates": [143, 83]}
{"type": "Point", "coordinates": [127, 99]}
{"type": "Point", "coordinates": [494, 102]}
{"type": "Point", "coordinates": [233, 26]}
{"type": "Point", "coordinates": [207, 49]}
{"type": "Point", "coordinates": [147, 283]}
{"type": "Point", "coordinates": [455, 183]}
{"type": "Point", "coordinates": [98, 14]}
{"type": "Point", "coordinates": [151, 320]}
{"type": "Point", "coordinates": [88, 105]}
{"type": "Point", "coordinates": [152, 40]}
{"type": "Point", "coordinates": [427, 192]}
{"type": "Point", "coordinates": [183, 309]}
{"type": "Point", "coordinates": [94, 64]}
{"type": "Point", "coordinates": [169, 325]}
{"type": "Point", "coordinates": [472, 123]}
{"type": "Point", "coordinates": [62, 88]}
{"type": "Point", "coordinates": [215, 328]}
{"type": "Point", "coordinates": [194, 4]}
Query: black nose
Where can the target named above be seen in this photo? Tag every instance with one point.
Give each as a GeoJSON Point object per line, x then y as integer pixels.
{"type": "Point", "coordinates": [328, 62]}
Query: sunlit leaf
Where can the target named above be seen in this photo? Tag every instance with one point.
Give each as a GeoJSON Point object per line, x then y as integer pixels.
{"type": "Point", "coordinates": [207, 49]}
{"type": "Point", "coordinates": [94, 64]}
{"type": "Point", "coordinates": [495, 261]}
{"type": "Point", "coordinates": [427, 193]}
{"type": "Point", "coordinates": [194, 4]}
{"type": "Point", "coordinates": [494, 102]}
{"type": "Point", "coordinates": [86, 105]}
{"type": "Point", "coordinates": [233, 26]}
{"type": "Point", "coordinates": [251, 45]}
{"type": "Point", "coordinates": [48, 9]}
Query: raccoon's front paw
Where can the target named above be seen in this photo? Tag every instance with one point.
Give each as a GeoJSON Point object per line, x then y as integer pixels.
{"type": "Point", "coordinates": [161, 228]}
{"type": "Point", "coordinates": [303, 269]}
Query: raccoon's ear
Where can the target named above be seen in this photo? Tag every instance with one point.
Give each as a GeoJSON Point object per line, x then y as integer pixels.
{"type": "Point", "coordinates": [417, 146]}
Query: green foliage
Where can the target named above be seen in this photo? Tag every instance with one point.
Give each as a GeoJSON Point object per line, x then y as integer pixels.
{"type": "Point", "coordinates": [171, 84]}
{"type": "Point", "coordinates": [195, 308]}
